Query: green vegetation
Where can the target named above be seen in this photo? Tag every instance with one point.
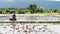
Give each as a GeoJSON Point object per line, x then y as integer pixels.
{"type": "Point", "coordinates": [31, 9]}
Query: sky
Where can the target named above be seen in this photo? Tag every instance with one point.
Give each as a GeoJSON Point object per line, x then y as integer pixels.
{"type": "Point", "coordinates": [25, 0]}
{"type": "Point", "coordinates": [25, 3]}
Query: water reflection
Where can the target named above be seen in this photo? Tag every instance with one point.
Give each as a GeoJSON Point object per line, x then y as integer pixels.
{"type": "Point", "coordinates": [31, 17]}
{"type": "Point", "coordinates": [29, 28]}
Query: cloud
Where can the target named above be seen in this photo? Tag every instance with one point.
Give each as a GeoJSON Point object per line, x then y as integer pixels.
{"type": "Point", "coordinates": [7, 0]}
{"type": "Point", "coordinates": [57, 0]}
{"type": "Point", "coordinates": [10, 0]}
{"type": "Point", "coordinates": [27, 0]}
{"type": "Point", "coordinates": [53, 0]}
{"type": "Point", "coordinates": [18, 0]}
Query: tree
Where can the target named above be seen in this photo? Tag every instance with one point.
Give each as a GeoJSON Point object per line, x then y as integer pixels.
{"type": "Point", "coordinates": [55, 11]}
{"type": "Point", "coordinates": [32, 7]}
{"type": "Point", "coordinates": [0, 12]}
{"type": "Point", "coordinates": [41, 10]}
{"type": "Point", "coordinates": [21, 11]}
{"type": "Point", "coordinates": [6, 11]}
{"type": "Point", "coordinates": [12, 11]}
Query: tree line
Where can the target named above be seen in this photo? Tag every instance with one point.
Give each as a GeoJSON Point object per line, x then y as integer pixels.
{"type": "Point", "coordinates": [31, 9]}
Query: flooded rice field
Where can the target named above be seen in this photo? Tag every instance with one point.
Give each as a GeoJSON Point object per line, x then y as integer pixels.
{"type": "Point", "coordinates": [31, 17]}
{"type": "Point", "coordinates": [29, 28]}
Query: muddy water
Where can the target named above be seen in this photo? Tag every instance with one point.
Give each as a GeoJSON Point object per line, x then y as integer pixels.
{"type": "Point", "coordinates": [29, 28]}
